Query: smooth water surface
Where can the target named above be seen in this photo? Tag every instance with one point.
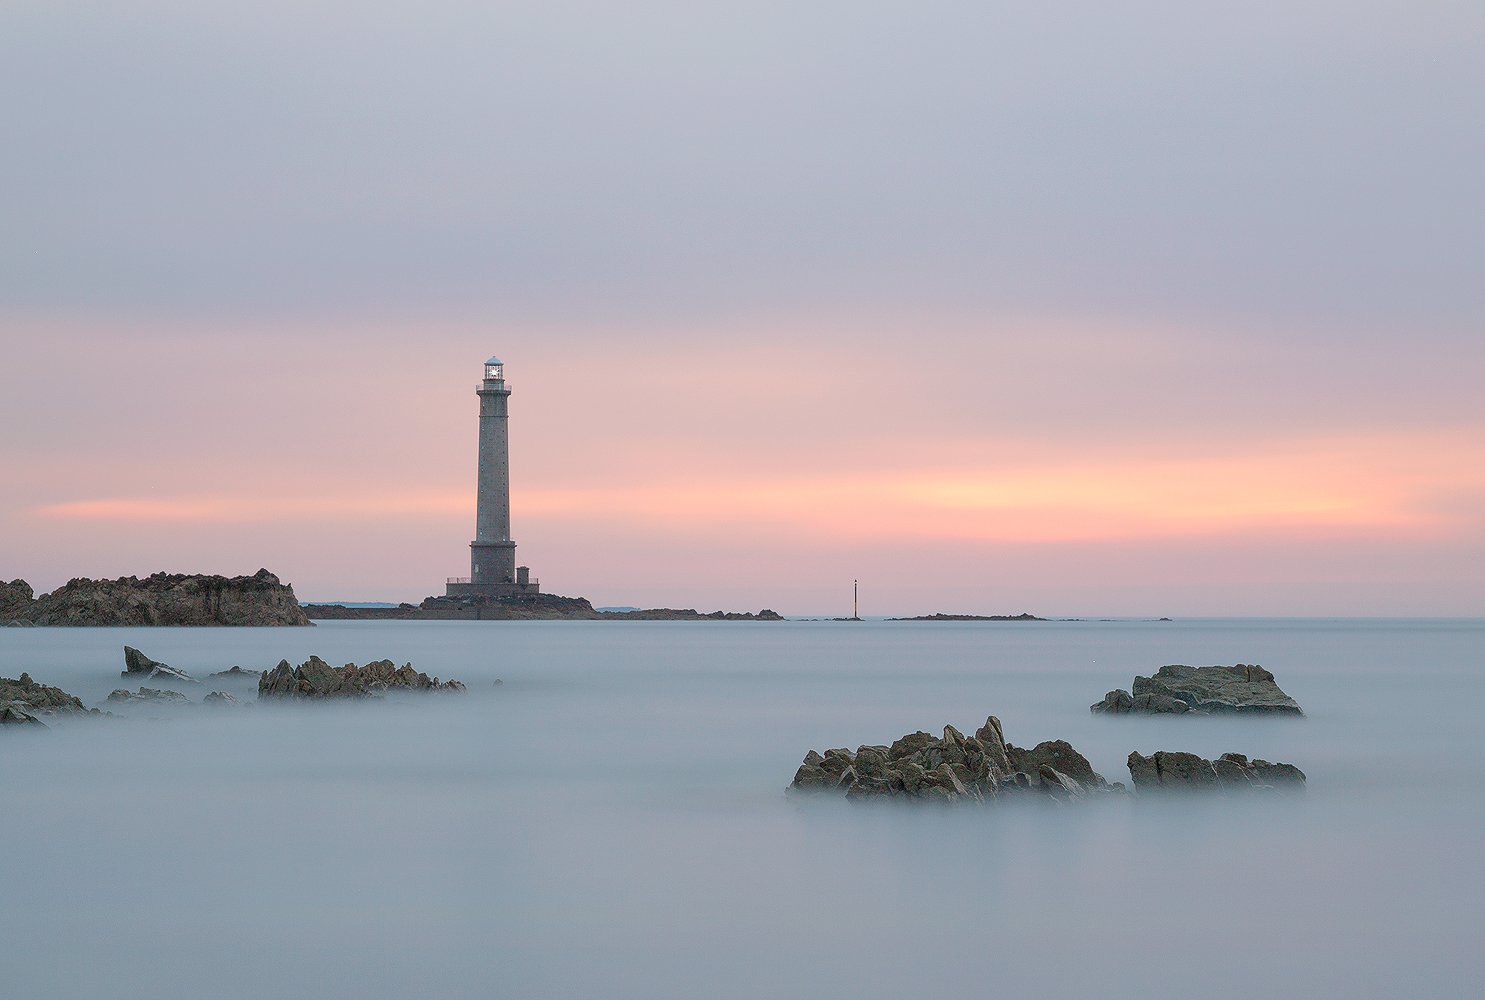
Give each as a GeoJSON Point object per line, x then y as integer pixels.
{"type": "Point", "coordinates": [610, 820]}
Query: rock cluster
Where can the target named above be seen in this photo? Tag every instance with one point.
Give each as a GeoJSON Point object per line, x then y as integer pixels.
{"type": "Point", "coordinates": [22, 700]}
{"type": "Point", "coordinates": [1177, 688]}
{"type": "Point", "coordinates": [168, 599]}
{"type": "Point", "coordinates": [1167, 770]}
{"type": "Point", "coordinates": [317, 679]}
{"type": "Point", "coordinates": [27, 695]}
{"type": "Point", "coordinates": [951, 768]}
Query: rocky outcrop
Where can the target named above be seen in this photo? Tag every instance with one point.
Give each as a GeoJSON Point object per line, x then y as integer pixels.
{"type": "Point", "coordinates": [1167, 770]}
{"type": "Point", "coordinates": [27, 697]}
{"type": "Point", "coordinates": [1177, 688]}
{"type": "Point", "coordinates": [221, 699]}
{"type": "Point", "coordinates": [171, 599]}
{"type": "Point", "coordinates": [136, 664]}
{"type": "Point", "coordinates": [316, 679]}
{"type": "Point", "coordinates": [952, 768]}
{"type": "Point", "coordinates": [16, 599]}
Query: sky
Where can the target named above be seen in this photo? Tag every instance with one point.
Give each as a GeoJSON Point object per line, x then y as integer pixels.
{"type": "Point", "coordinates": [1137, 309]}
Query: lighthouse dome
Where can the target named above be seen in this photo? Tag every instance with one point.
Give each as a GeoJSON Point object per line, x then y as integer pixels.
{"type": "Point", "coordinates": [494, 361]}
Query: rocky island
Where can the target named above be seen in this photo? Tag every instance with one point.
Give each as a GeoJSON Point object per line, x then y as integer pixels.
{"type": "Point", "coordinates": [523, 607]}
{"type": "Point", "coordinates": [1177, 689]}
{"type": "Point", "coordinates": [160, 599]}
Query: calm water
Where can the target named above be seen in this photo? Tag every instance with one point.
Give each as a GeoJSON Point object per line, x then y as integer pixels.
{"type": "Point", "coordinates": [610, 821]}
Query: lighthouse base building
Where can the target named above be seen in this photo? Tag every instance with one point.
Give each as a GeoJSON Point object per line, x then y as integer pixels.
{"type": "Point", "coordinates": [492, 555]}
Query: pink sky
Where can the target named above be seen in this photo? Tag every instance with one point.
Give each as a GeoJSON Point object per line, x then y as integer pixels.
{"type": "Point", "coordinates": [1136, 310]}
{"type": "Point", "coordinates": [1055, 465]}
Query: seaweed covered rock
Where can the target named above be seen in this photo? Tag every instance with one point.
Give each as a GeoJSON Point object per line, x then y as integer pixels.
{"type": "Point", "coordinates": [316, 679]}
{"type": "Point", "coordinates": [1167, 770]}
{"type": "Point", "coordinates": [950, 768]}
{"type": "Point", "coordinates": [1177, 689]}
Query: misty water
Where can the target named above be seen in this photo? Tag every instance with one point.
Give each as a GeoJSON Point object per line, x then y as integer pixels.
{"type": "Point", "coordinates": [610, 821]}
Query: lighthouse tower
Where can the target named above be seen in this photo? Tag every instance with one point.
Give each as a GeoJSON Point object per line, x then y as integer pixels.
{"type": "Point", "coordinates": [492, 555]}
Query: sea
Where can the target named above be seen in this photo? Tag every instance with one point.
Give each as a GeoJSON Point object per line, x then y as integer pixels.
{"type": "Point", "coordinates": [603, 815]}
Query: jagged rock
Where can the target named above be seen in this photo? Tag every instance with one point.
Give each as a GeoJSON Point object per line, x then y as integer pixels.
{"type": "Point", "coordinates": [1116, 702]}
{"type": "Point", "coordinates": [136, 664]}
{"type": "Point", "coordinates": [1167, 770]}
{"type": "Point", "coordinates": [317, 679]}
{"type": "Point", "coordinates": [1177, 688]}
{"type": "Point", "coordinates": [171, 599]}
{"type": "Point", "coordinates": [1059, 785]}
{"type": "Point", "coordinates": [1059, 755]}
{"type": "Point", "coordinates": [29, 698]}
{"type": "Point", "coordinates": [16, 600]}
{"type": "Point", "coordinates": [220, 699]}
{"type": "Point", "coordinates": [950, 769]}
{"type": "Point", "coordinates": [152, 695]}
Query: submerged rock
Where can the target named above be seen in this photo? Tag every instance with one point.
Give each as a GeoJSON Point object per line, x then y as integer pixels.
{"type": "Point", "coordinates": [317, 679]}
{"type": "Point", "coordinates": [155, 696]}
{"type": "Point", "coordinates": [237, 672]}
{"type": "Point", "coordinates": [1177, 688]}
{"type": "Point", "coordinates": [951, 768]}
{"type": "Point", "coordinates": [1167, 770]}
{"type": "Point", "coordinates": [12, 716]}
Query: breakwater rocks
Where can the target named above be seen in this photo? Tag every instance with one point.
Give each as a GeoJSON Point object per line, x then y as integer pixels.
{"type": "Point", "coordinates": [161, 599]}
{"type": "Point", "coordinates": [1166, 770]}
{"type": "Point", "coordinates": [952, 768]}
{"type": "Point", "coordinates": [1177, 688]}
{"type": "Point", "coordinates": [316, 679]}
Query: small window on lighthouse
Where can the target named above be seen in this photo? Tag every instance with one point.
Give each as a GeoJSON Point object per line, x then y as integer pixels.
{"type": "Point", "coordinates": [496, 371]}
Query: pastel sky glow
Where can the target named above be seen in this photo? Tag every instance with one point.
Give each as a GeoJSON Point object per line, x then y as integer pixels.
{"type": "Point", "coordinates": [995, 307]}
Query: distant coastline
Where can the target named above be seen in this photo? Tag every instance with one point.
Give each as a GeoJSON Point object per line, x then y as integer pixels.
{"type": "Point", "coordinates": [1025, 616]}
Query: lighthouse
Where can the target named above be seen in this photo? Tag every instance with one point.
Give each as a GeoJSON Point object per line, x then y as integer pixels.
{"type": "Point", "coordinates": [492, 555]}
